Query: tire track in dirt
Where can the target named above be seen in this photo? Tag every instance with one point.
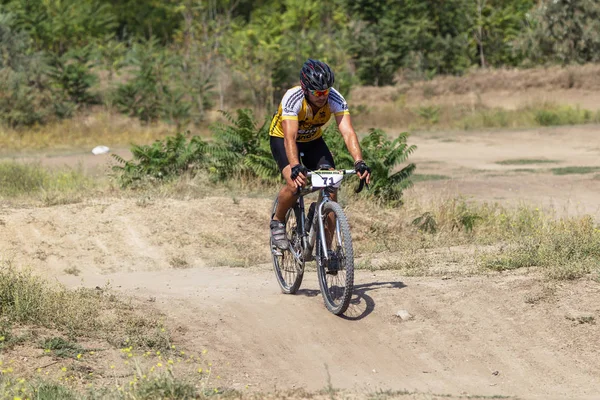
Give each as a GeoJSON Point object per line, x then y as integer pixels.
{"type": "Point", "coordinates": [474, 336]}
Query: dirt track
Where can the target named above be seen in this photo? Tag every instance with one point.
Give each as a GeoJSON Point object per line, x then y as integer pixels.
{"type": "Point", "coordinates": [512, 335]}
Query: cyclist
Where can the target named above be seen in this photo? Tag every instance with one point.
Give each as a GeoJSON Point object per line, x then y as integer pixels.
{"type": "Point", "coordinates": [296, 128]}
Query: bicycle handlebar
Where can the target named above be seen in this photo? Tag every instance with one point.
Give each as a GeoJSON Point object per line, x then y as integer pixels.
{"type": "Point", "coordinates": [347, 172]}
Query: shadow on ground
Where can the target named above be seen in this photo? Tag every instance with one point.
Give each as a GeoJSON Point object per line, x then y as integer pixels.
{"type": "Point", "coordinates": [361, 304]}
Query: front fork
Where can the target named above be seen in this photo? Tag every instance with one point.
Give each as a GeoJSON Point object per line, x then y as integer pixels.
{"type": "Point", "coordinates": [309, 238]}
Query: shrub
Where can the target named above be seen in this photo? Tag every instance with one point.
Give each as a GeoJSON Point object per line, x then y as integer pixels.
{"type": "Point", "coordinates": [383, 157]}
{"type": "Point", "coordinates": [71, 74]}
{"type": "Point", "coordinates": [23, 99]}
{"type": "Point", "coordinates": [242, 149]}
{"type": "Point", "coordinates": [161, 160]}
{"type": "Point", "coordinates": [155, 91]}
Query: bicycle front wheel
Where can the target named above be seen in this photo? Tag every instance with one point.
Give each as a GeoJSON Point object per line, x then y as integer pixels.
{"type": "Point", "coordinates": [288, 264]}
{"type": "Point", "coordinates": [336, 274]}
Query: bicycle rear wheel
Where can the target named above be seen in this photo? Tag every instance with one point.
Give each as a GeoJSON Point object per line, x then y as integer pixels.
{"type": "Point", "coordinates": [336, 275]}
{"type": "Point", "coordinates": [288, 266]}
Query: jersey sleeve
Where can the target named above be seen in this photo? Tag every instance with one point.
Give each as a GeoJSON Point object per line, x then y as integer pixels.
{"type": "Point", "coordinates": [291, 104]}
{"type": "Point", "coordinates": [337, 103]}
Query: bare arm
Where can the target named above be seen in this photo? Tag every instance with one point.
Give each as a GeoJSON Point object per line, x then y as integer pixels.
{"type": "Point", "coordinates": [345, 126]}
{"type": "Point", "coordinates": [290, 133]}
{"type": "Point", "coordinates": [347, 130]}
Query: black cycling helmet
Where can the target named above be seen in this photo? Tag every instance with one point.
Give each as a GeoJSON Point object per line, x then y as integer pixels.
{"type": "Point", "coordinates": [316, 75]}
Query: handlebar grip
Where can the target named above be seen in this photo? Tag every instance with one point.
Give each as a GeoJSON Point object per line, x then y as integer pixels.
{"type": "Point", "coordinates": [360, 186]}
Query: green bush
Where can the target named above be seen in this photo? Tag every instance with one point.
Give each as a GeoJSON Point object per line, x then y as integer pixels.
{"type": "Point", "coordinates": [21, 102]}
{"type": "Point", "coordinates": [383, 157]}
{"type": "Point", "coordinates": [242, 149]}
{"type": "Point", "coordinates": [155, 91]}
{"type": "Point", "coordinates": [162, 160]}
{"type": "Point", "coordinates": [71, 75]}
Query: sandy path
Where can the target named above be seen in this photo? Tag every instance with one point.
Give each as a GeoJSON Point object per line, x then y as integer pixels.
{"type": "Point", "coordinates": [471, 160]}
{"type": "Point", "coordinates": [497, 335]}
{"type": "Point", "coordinates": [475, 336]}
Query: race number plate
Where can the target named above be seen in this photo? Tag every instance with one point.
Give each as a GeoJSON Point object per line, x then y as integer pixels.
{"type": "Point", "coordinates": [327, 178]}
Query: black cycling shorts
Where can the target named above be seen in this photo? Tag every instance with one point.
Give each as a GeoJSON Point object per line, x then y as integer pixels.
{"type": "Point", "coordinates": [316, 153]}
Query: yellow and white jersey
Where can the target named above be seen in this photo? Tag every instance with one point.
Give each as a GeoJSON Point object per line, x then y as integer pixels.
{"type": "Point", "coordinates": [295, 106]}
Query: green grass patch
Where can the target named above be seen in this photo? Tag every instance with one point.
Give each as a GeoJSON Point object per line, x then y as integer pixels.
{"type": "Point", "coordinates": [52, 186]}
{"type": "Point", "coordinates": [574, 170]}
{"type": "Point", "coordinates": [94, 313]}
{"type": "Point", "coordinates": [502, 238]}
{"type": "Point", "coordinates": [526, 161]}
{"type": "Point", "coordinates": [61, 347]}
{"type": "Point", "coordinates": [541, 115]}
{"type": "Point", "coordinates": [428, 177]}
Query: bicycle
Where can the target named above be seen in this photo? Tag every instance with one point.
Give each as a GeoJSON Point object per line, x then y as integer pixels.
{"type": "Point", "coordinates": [308, 241]}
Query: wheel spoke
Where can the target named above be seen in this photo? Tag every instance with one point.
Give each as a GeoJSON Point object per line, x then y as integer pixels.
{"type": "Point", "coordinates": [336, 273]}
{"type": "Point", "coordinates": [288, 270]}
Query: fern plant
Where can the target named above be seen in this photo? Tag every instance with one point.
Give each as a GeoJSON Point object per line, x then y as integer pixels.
{"type": "Point", "coordinates": [162, 160]}
{"type": "Point", "coordinates": [241, 149]}
{"type": "Point", "coordinates": [383, 157]}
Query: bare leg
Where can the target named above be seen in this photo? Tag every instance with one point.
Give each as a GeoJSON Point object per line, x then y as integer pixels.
{"type": "Point", "coordinates": [330, 223]}
{"type": "Point", "coordinates": [287, 195]}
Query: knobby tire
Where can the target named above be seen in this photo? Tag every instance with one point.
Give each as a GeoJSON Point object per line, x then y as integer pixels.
{"type": "Point", "coordinates": [337, 289]}
{"type": "Point", "coordinates": [288, 272]}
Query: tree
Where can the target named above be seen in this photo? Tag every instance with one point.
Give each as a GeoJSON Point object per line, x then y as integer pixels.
{"type": "Point", "coordinates": [58, 25]}
{"type": "Point", "coordinates": [564, 31]}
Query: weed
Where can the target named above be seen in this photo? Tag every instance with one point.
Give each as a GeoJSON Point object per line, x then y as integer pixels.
{"type": "Point", "coordinates": [526, 161]}
{"type": "Point", "coordinates": [73, 270]}
{"type": "Point", "coordinates": [426, 223]}
{"type": "Point", "coordinates": [588, 319]}
{"type": "Point", "coordinates": [54, 186]}
{"type": "Point", "coordinates": [179, 263]}
{"type": "Point", "coordinates": [8, 338]}
{"type": "Point", "coordinates": [428, 177]}
{"type": "Point", "coordinates": [61, 347]}
{"type": "Point", "coordinates": [574, 170]}
{"type": "Point", "coordinates": [431, 114]}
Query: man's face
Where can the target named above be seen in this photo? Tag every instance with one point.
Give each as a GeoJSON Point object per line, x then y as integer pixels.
{"type": "Point", "coordinates": [318, 97]}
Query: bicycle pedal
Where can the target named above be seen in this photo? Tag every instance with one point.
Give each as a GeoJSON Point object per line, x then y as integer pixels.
{"type": "Point", "coordinates": [276, 251]}
{"type": "Point", "coordinates": [334, 273]}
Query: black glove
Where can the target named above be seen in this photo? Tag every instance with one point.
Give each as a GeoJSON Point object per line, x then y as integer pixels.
{"type": "Point", "coordinates": [297, 169]}
{"type": "Point", "coordinates": [361, 167]}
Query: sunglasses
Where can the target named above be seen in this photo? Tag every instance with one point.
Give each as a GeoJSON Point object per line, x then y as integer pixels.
{"type": "Point", "coordinates": [319, 93]}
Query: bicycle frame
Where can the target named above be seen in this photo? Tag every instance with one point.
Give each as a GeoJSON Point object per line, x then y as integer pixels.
{"type": "Point", "coordinates": [309, 238]}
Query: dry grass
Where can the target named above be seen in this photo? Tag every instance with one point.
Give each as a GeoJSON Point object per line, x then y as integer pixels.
{"type": "Point", "coordinates": [453, 236]}
{"type": "Point", "coordinates": [97, 127]}
{"type": "Point", "coordinates": [503, 98]}
{"type": "Point", "coordinates": [476, 100]}
{"type": "Point", "coordinates": [57, 343]}
{"type": "Point", "coordinates": [86, 313]}
{"type": "Point", "coordinates": [33, 183]}
{"type": "Point", "coordinates": [432, 116]}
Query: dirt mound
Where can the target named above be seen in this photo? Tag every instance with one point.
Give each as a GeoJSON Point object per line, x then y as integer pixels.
{"type": "Point", "coordinates": [510, 335]}
{"type": "Point", "coordinates": [507, 335]}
